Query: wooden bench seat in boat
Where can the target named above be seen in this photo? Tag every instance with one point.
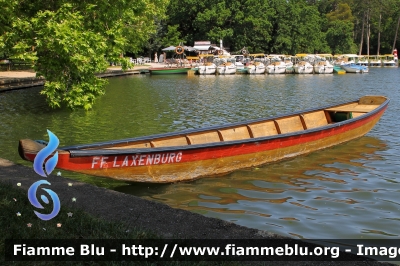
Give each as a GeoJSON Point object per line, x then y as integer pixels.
{"type": "Point", "coordinates": [364, 108]}
{"type": "Point", "coordinates": [203, 137]}
{"type": "Point", "coordinates": [314, 119]}
{"type": "Point", "coordinates": [289, 124]}
{"type": "Point", "coordinates": [263, 129]}
{"type": "Point", "coordinates": [236, 133]}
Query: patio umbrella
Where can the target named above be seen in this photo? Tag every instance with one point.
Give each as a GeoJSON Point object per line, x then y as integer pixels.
{"type": "Point", "coordinates": [170, 48]}
{"type": "Point", "coordinates": [189, 48]}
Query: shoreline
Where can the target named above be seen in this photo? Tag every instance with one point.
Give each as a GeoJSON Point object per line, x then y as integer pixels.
{"type": "Point", "coordinates": [158, 218]}
{"type": "Point", "coordinates": [29, 73]}
{"type": "Point", "coordinates": [21, 79]}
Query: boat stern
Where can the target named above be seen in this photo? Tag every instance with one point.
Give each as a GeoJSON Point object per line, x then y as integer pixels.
{"type": "Point", "coordinates": [27, 149]}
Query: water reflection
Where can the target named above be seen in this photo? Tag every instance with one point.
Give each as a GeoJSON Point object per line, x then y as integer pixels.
{"type": "Point", "coordinates": [287, 195]}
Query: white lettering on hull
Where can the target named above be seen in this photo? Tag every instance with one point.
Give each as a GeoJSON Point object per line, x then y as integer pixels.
{"type": "Point", "coordinates": [136, 160]}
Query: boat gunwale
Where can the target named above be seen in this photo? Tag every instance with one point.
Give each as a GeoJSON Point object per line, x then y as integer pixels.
{"type": "Point", "coordinates": [75, 151]}
{"type": "Point", "coordinates": [168, 68]}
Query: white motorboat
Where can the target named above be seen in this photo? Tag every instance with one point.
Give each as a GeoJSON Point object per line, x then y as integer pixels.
{"type": "Point", "coordinates": [303, 67]}
{"type": "Point", "coordinates": [388, 60]}
{"type": "Point", "coordinates": [227, 67]}
{"type": "Point", "coordinates": [256, 68]}
{"type": "Point", "coordinates": [323, 67]}
{"type": "Point", "coordinates": [353, 68]}
{"type": "Point", "coordinates": [374, 61]}
{"type": "Point", "coordinates": [323, 64]}
{"type": "Point", "coordinates": [277, 66]}
{"type": "Point", "coordinates": [302, 64]}
{"type": "Point", "coordinates": [362, 60]}
{"type": "Point", "coordinates": [207, 69]}
{"type": "Point", "coordinates": [288, 62]}
{"type": "Point", "coordinates": [257, 65]}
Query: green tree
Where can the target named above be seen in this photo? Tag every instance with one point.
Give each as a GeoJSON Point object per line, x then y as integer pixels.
{"type": "Point", "coordinates": [254, 26]}
{"type": "Point", "coordinates": [341, 12]}
{"type": "Point", "coordinates": [172, 37]}
{"type": "Point", "coordinates": [297, 28]}
{"type": "Point", "coordinates": [376, 24]}
{"type": "Point", "coordinates": [70, 41]}
{"type": "Point", "coordinates": [212, 21]}
{"type": "Point", "coordinates": [339, 35]}
{"type": "Point", "coordinates": [238, 22]}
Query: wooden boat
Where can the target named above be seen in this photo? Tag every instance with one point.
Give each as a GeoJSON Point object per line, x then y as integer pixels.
{"type": "Point", "coordinates": [191, 154]}
{"type": "Point", "coordinates": [169, 70]}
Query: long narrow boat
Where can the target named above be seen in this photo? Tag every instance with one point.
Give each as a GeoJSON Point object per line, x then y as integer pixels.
{"type": "Point", "coordinates": [169, 70]}
{"type": "Point", "coordinates": [191, 154]}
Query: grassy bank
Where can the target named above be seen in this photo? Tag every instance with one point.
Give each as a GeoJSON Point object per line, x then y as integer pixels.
{"type": "Point", "coordinates": [18, 221]}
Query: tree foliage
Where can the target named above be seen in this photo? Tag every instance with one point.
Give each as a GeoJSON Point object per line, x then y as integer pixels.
{"type": "Point", "coordinates": [340, 37]}
{"type": "Point", "coordinates": [70, 41]}
{"type": "Point", "coordinates": [293, 26]}
{"type": "Point", "coordinates": [342, 12]}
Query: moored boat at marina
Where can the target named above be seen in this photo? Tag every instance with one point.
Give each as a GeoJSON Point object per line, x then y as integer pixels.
{"type": "Point", "coordinates": [289, 63]}
{"type": "Point", "coordinates": [322, 64]}
{"type": "Point", "coordinates": [176, 65]}
{"type": "Point", "coordinates": [374, 61]}
{"type": "Point", "coordinates": [338, 70]}
{"type": "Point", "coordinates": [207, 67]}
{"type": "Point", "coordinates": [353, 68]}
{"type": "Point", "coordinates": [240, 61]}
{"type": "Point", "coordinates": [195, 153]}
{"type": "Point", "coordinates": [345, 59]}
{"type": "Point", "coordinates": [240, 68]}
{"type": "Point", "coordinates": [168, 70]}
{"type": "Point", "coordinates": [276, 66]}
{"type": "Point", "coordinates": [323, 67]}
{"type": "Point", "coordinates": [227, 67]}
{"type": "Point", "coordinates": [257, 65]}
{"type": "Point", "coordinates": [389, 60]}
{"type": "Point", "coordinates": [302, 64]}
{"type": "Point", "coordinates": [362, 60]}
{"type": "Point", "coordinates": [303, 67]}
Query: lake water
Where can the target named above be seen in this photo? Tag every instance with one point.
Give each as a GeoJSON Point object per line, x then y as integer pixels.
{"type": "Point", "coordinates": [349, 191]}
